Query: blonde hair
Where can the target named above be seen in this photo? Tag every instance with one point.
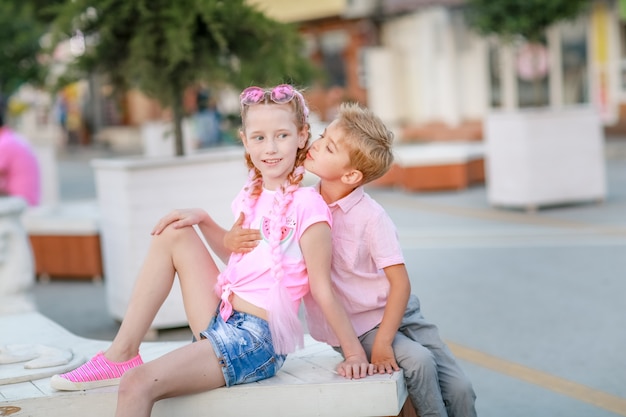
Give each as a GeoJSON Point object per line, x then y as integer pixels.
{"type": "Point", "coordinates": [368, 140]}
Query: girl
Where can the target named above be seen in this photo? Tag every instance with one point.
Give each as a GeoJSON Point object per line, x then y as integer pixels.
{"type": "Point", "coordinates": [254, 301]}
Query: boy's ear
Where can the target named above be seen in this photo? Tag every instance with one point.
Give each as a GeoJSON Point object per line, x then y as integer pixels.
{"type": "Point", "coordinates": [352, 177]}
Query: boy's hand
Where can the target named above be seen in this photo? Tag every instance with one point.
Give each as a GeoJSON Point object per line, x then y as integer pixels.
{"type": "Point", "coordinates": [355, 367]}
{"type": "Point", "coordinates": [384, 360]}
{"type": "Point", "coordinates": [240, 240]}
{"type": "Point", "coordinates": [179, 218]}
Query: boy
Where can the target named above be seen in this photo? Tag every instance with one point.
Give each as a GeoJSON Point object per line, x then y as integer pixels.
{"type": "Point", "coordinates": [368, 271]}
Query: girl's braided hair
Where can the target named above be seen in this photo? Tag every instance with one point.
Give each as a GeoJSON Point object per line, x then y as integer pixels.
{"type": "Point", "coordinates": [284, 323]}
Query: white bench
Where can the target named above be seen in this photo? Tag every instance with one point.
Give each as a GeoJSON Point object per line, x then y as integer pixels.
{"type": "Point", "coordinates": [436, 166]}
{"type": "Point", "coordinates": [65, 239]}
{"type": "Point", "coordinates": [306, 385]}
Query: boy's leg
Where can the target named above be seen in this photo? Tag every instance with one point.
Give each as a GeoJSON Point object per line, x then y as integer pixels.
{"type": "Point", "coordinates": [456, 389]}
{"type": "Point", "coordinates": [190, 369]}
{"type": "Point", "coordinates": [420, 373]}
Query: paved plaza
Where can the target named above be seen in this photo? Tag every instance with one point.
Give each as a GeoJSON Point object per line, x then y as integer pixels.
{"type": "Point", "coordinates": [532, 304]}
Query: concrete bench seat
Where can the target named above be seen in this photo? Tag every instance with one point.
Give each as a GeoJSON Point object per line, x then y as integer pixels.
{"type": "Point", "coordinates": [435, 166]}
{"type": "Point", "coordinates": [65, 239]}
{"type": "Point", "coordinates": [307, 385]}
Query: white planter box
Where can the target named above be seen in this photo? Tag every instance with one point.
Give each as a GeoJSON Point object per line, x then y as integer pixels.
{"type": "Point", "coordinates": [158, 138]}
{"type": "Point", "coordinates": [544, 157]}
{"type": "Point", "coordinates": [48, 166]}
{"type": "Point", "coordinates": [134, 193]}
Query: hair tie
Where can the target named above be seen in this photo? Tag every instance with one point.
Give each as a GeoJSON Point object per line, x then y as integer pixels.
{"type": "Point", "coordinates": [299, 170]}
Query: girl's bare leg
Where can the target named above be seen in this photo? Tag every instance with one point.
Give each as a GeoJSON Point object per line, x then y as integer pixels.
{"type": "Point", "coordinates": [190, 369]}
{"type": "Point", "coordinates": [174, 250]}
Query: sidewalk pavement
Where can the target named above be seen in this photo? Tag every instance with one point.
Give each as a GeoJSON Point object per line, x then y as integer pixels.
{"type": "Point", "coordinates": [532, 304]}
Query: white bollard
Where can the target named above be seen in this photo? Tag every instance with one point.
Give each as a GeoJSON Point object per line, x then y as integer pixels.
{"type": "Point", "coordinates": [17, 274]}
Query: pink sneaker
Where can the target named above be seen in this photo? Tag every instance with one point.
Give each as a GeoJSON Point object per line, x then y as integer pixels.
{"type": "Point", "coordinates": [98, 372]}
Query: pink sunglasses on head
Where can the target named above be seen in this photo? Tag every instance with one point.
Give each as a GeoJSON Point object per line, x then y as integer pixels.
{"type": "Point", "coordinates": [280, 94]}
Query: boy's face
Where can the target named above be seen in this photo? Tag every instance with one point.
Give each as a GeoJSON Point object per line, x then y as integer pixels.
{"type": "Point", "coordinates": [328, 156]}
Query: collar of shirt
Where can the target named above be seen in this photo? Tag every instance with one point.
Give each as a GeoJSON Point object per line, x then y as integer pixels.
{"type": "Point", "coordinates": [349, 201]}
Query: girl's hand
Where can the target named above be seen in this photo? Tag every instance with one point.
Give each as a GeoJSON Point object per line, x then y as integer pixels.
{"type": "Point", "coordinates": [383, 359]}
{"type": "Point", "coordinates": [240, 240]}
{"type": "Point", "coordinates": [179, 218]}
{"type": "Point", "coordinates": [355, 367]}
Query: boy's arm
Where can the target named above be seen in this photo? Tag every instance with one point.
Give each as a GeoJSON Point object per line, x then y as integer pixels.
{"type": "Point", "coordinates": [316, 248]}
{"type": "Point", "coordinates": [383, 357]}
{"type": "Point", "coordinates": [240, 240]}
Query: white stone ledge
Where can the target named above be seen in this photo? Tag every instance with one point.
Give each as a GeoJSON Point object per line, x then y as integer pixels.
{"type": "Point", "coordinates": [70, 218]}
{"type": "Point", "coordinates": [306, 386]}
{"type": "Point", "coordinates": [437, 153]}
{"type": "Point", "coordinates": [219, 154]}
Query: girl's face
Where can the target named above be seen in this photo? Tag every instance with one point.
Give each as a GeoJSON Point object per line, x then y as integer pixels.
{"type": "Point", "coordinates": [271, 138]}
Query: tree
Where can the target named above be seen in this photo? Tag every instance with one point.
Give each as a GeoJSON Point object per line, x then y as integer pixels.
{"type": "Point", "coordinates": [20, 34]}
{"type": "Point", "coordinates": [163, 47]}
{"type": "Point", "coordinates": [526, 18]}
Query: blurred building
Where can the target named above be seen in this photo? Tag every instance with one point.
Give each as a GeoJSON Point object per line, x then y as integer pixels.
{"type": "Point", "coordinates": [418, 65]}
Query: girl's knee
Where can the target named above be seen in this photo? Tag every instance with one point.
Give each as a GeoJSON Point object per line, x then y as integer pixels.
{"type": "Point", "coordinates": [127, 381]}
{"type": "Point", "coordinates": [133, 384]}
{"type": "Point", "coordinates": [172, 238]}
{"type": "Point", "coordinates": [171, 233]}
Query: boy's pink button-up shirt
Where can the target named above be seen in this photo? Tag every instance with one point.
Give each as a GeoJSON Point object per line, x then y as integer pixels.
{"type": "Point", "coordinates": [19, 169]}
{"type": "Point", "coordinates": [365, 241]}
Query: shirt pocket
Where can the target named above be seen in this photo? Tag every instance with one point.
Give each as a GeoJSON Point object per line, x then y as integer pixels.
{"type": "Point", "coordinates": [345, 253]}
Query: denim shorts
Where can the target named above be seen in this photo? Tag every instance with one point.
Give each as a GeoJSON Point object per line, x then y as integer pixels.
{"type": "Point", "coordinates": [243, 345]}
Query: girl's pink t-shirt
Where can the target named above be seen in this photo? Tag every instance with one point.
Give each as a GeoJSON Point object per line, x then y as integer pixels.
{"type": "Point", "coordinates": [250, 276]}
